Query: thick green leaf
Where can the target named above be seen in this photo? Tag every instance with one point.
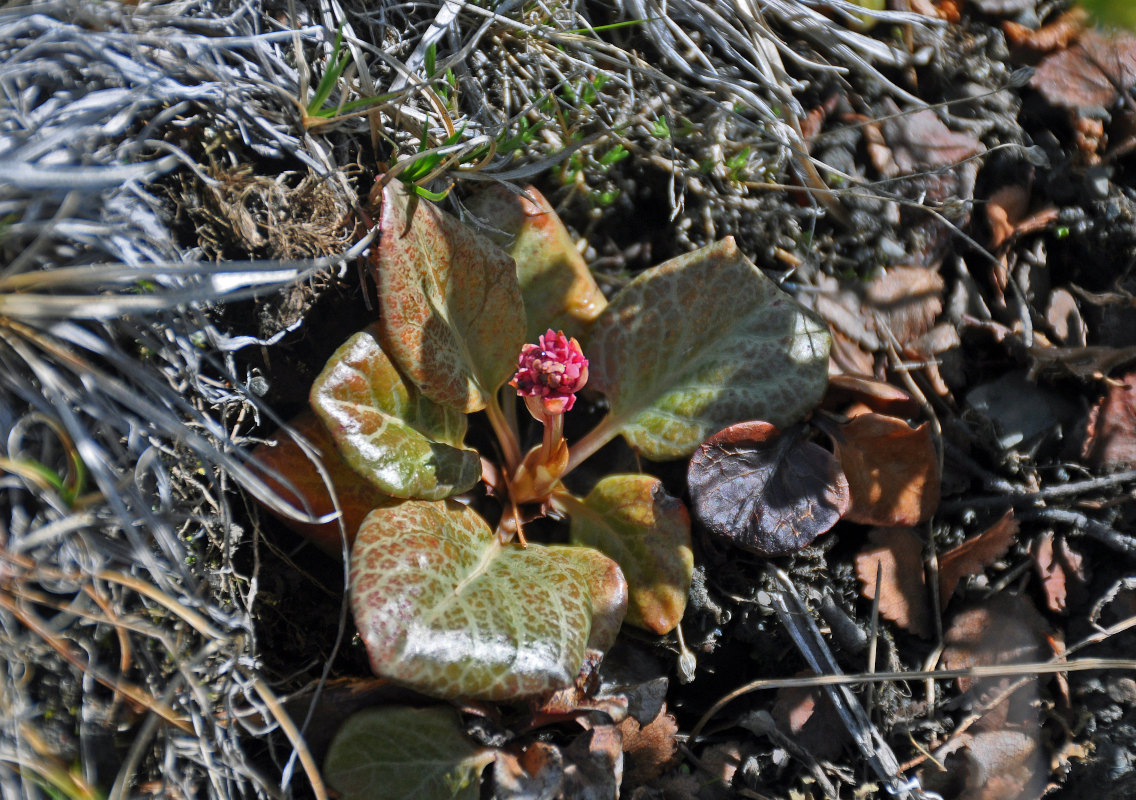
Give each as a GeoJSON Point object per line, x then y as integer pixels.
{"type": "Point", "coordinates": [559, 290]}
{"type": "Point", "coordinates": [632, 519]}
{"type": "Point", "coordinates": [450, 309]}
{"type": "Point", "coordinates": [387, 431]}
{"type": "Point", "coordinates": [286, 468]}
{"type": "Point", "coordinates": [701, 342]}
{"type": "Point", "coordinates": [395, 753]}
{"type": "Point", "coordinates": [445, 608]}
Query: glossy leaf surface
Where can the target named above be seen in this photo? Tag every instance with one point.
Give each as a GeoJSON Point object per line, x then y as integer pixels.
{"type": "Point", "coordinates": [559, 290]}
{"type": "Point", "coordinates": [405, 444]}
{"type": "Point", "coordinates": [451, 313]}
{"type": "Point", "coordinates": [633, 520]}
{"type": "Point", "coordinates": [701, 342]}
{"type": "Point", "coordinates": [286, 468]}
{"type": "Point", "coordinates": [445, 608]}
{"type": "Point", "coordinates": [395, 752]}
{"type": "Point", "coordinates": [764, 491]}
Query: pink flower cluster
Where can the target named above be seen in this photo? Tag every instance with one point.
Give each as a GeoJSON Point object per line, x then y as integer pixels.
{"type": "Point", "coordinates": [553, 370]}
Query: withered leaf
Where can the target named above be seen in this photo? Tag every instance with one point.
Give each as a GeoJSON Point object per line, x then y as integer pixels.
{"type": "Point", "coordinates": [1091, 74]}
{"type": "Point", "coordinates": [648, 750]}
{"type": "Point", "coordinates": [595, 764]}
{"type": "Point", "coordinates": [892, 469]}
{"type": "Point", "coordinates": [1004, 629]}
{"type": "Point", "coordinates": [765, 491]}
{"type": "Point", "coordinates": [975, 554]}
{"type": "Point", "coordinates": [809, 716]}
{"type": "Point", "coordinates": [534, 775]}
{"type": "Point", "coordinates": [991, 765]}
{"type": "Point", "coordinates": [1110, 437]}
{"type": "Point", "coordinates": [876, 395]}
{"type": "Point", "coordinates": [898, 556]}
{"type": "Point", "coordinates": [1057, 566]}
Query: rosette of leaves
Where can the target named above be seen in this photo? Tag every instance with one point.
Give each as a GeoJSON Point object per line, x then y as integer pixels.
{"type": "Point", "coordinates": [445, 604]}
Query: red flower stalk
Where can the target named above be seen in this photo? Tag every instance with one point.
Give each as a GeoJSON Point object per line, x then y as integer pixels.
{"type": "Point", "coordinates": [553, 371]}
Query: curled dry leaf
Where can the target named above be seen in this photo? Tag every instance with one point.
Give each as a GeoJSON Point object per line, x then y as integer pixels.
{"type": "Point", "coordinates": [989, 765]}
{"type": "Point", "coordinates": [1060, 568]}
{"type": "Point", "coordinates": [975, 554]}
{"type": "Point", "coordinates": [537, 774]}
{"type": "Point", "coordinates": [286, 468]}
{"type": "Point", "coordinates": [595, 764]}
{"type": "Point", "coordinates": [1110, 436]}
{"type": "Point", "coordinates": [897, 555]}
{"type": "Point", "coordinates": [648, 750]}
{"type": "Point", "coordinates": [764, 491]}
{"type": "Point", "coordinates": [891, 467]}
{"type": "Point", "coordinates": [876, 395]}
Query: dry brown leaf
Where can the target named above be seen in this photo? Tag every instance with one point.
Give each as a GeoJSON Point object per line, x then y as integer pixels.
{"type": "Point", "coordinates": [877, 395]}
{"type": "Point", "coordinates": [648, 751]}
{"type": "Point", "coordinates": [1005, 629]}
{"type": "Point", "coordinates": [808, 715]}
{"type": "Point", "coordinates": [536, 775]}
{"type": "Point", "coordinates": [1060, 568]}
{"type": "Point", "coordinates": [1090, 75]}
{"type": "Point", "coordinates": [594, 767]}
{"type": "Point", "coordinates": [974, 555]}
{"type": "Point", "coordinates": [892, 469]}
{"type": "Point", "coordinates": [1110, 435]}
{"type": "Point", "coordinates": [901, 301]}
{"type": "Point", "coordinates": [992, 765]}
{"type": "Point", "coordinates": [1005, 208]}
{"type": "Point", "coordinates": [1064, 318]}
{"type": "Point", "coordinates": [847, 357]}
{"type": "Point", "coordinates": [1056, 35]}
{"type": "Point", "coordinates": [898, 556]}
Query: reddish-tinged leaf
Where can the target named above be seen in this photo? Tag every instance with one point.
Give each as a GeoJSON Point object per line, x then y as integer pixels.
{"type": "Point", "coordinates": [975, 554]}
{"type": "Point", "coordinates": [764, 491]}
{"type": "Point", "coordinates": [892, 469]}
{"type": "Point", "coordinates": [386, 430]}
{"type": "Point", "coordinates": [445, 608]}
{"type": "Point", "coordinates": [700, 342]}
{"type": "Point", "coordinates": [1110, 438]}
{"type": "Point", "coordinates": [636, 523]}
{"type": "Point", "coordinates": [1091, 74]}
{"type": "Point", "coordinates": [559, 290]}
{"type": "Point", "coordinates": [450, 309]}
{"type": "Point", "coordinates": [304, 489]}
{"type": "Point", "coordinates": [898, 557]}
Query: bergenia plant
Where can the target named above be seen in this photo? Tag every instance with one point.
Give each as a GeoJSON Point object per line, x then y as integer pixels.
{"type": "Point", "coordinates": [452, 594]}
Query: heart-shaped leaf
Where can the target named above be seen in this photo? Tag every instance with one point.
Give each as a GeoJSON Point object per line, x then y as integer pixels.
{"type": "Point", "coordinates": [701, 342]}
{"type": "Point", "coordinates": [445, 608]}
{"type": "Point", "coordinates": [559, 290]}
{"type": "Point", "coordinates": [450, 309]}
{"type": "Point", "coordinates": [387, 431]}
{"type": "Point", "coordinates": [286, 468]}
{"type": "Point", "coordinates": [633, 520]}
{"type": "Point", "coordinates": [395, 752]}
{"type": "Point", "coordinates": [765, 491]}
